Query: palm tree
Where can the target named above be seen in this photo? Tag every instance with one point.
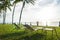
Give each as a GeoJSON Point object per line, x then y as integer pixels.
{"type": "Point", "coordinates": [3, 7]}
{"type": "Point", "coordinates": [24, 1]}
{"type": "Point", "coordinates": [21, 11]}
{"type": "Point", "coordinates": [13, 13]}
{"type": "Point", "coordinates": [14, 4]}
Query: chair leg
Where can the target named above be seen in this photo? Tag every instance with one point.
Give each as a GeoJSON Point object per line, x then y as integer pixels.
{"type": "Point", "coordinates": [45, 34]}
{"type": "Point", "coordinates": [42, 31]}
{"type": "Point", "coordinates": [56, 34]}
{"type": "Point", "coordinates": [52, 34]}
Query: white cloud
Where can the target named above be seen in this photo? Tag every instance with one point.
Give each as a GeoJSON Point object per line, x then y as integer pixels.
{"type": "Point", "coordinates": [45, 2]}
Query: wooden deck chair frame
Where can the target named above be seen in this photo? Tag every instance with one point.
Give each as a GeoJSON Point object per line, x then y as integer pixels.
{"type": "Point", "coordinates": [42, 28]}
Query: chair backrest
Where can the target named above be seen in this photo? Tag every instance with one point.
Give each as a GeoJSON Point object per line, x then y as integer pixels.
{"type": "Point", "coordinates": [28, 27]}
{"type": "Point", "coordinates": [16, 26]}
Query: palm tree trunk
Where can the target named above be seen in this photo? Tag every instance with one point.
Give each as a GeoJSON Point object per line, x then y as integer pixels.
{"type": "Point", "coordinates": [4, 17]}
{"type": "Point", "coordinates": [13, 13]}
{"type": "Point", "coordinates": [21, 12]}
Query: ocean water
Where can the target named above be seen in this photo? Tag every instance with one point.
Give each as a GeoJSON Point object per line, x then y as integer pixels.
{"type": "Point", "coordinates": [42, 23]}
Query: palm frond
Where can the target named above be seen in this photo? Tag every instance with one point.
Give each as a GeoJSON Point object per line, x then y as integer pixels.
{"type": "Point", "coordinates": [27, 1]}
{"type": "Point", "coordinates": [4, 5]}
{"type": "Point", "coordinates": [9, 8]}
{"type": "Point", "coordinates": [30, 1]}
{"type": "Point", "coordinates": [16, 1]}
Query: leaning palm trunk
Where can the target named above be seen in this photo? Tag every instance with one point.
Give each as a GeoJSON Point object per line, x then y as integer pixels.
{"type": "Point", "coordinates": [13, 13]}
{"type": "Point", "coordinates": [4, 17]}
{"type": "Point", "coordinates": [21, 12]}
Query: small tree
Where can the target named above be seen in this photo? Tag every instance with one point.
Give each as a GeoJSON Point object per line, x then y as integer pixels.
{"type": "Point", "coordinates": [37, 23]}
{"type": "Point", "coordinates": [3, 7]}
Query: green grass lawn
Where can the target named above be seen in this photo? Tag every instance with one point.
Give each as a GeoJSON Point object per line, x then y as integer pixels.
{"type": "Point", "coordinates": [10, 32]}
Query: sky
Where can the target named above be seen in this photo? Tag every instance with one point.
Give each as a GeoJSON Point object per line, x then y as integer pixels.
{"type": "Point", "coordinates": [42, 10]}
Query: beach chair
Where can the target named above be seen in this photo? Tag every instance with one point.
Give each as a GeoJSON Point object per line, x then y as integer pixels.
{"type": "Point", "coordinates": [42, 28]}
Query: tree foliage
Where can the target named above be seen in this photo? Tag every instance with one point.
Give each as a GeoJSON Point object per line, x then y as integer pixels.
{"type": "Point", "coordinates": [4, 4]}
{"type": "Point", "coordinates": [27, 1]}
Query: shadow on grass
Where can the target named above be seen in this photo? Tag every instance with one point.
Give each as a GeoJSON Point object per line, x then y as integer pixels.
{"type": "Point", "coordinates": [36, 36]}
{"type": "Point", "coordinates": [12, 34]}
{"type": "Point", "coordinates": [23, 36]}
